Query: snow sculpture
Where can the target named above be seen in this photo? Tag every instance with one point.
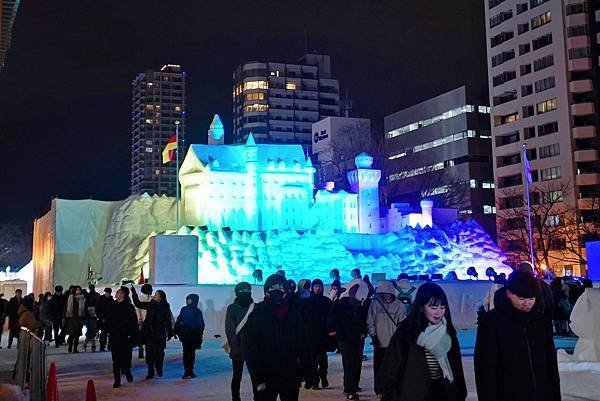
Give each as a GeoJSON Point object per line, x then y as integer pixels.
{"type": "Point", "coordinates": [585, 323]}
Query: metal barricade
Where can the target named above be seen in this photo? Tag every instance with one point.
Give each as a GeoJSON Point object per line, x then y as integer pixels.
{"type": "Point", "coordinates": [30, 369]}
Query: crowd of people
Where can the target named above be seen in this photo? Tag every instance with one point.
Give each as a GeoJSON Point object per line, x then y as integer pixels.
{"type": "Point", "coordinates": [284, 339]}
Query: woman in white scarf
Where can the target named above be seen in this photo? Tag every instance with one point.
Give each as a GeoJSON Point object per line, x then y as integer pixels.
{"type": "Point", "coordinates": [74, 317]}
{"type": "Point", "coordinates": [423, 361]}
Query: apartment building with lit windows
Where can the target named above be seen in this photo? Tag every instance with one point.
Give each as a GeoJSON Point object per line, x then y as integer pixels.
{"type": "Point", "coordinates": [8, 14]}
{"type": "Point", "coordinates": [158, 102]}
{"type": "Point", "coordinates": [279, 102]}
{"type": "Point", "coordinates": [441, 149]}
{"type": "Point", "coordinates": [543, 66]}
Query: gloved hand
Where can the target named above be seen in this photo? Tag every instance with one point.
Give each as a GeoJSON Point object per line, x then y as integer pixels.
{"type": "Point", "coordinates": [375, 341]}
{"type": "Point", "coordinates": [261, 387]}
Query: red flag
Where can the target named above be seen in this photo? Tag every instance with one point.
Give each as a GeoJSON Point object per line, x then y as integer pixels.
{"type": "Point", "coordinates": [142, 280]}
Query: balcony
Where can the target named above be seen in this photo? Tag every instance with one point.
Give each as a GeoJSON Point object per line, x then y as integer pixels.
{"type": "Point", "coordinates": [582, 109]}
{"type": "Point", "coordinates": [581, 86]}
{"type": "Point", "coordinates": [584, 132]}
{"type": "Point", "coordinates": [587, 155]}
{"type": "Point", "coordinates": [587, 179]}
{"type": "Point", "coordinates": [578, 41]}
{"type": "Point", "coordinates": [580, 64]}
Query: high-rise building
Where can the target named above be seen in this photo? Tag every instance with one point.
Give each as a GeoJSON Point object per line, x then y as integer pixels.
{"type": "Point", "coordinates": [8, 13]}
{"type": "Point", "coordinates": [543, 72]}
{"type": "Point", "coordinates": [278, 102]}
{"type": "Point", "coordinates": [158, 103]}
{"type": "Point", "coordinates": [441, 149]}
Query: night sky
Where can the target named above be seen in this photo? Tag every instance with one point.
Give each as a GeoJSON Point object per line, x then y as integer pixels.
{"type": "Point", "coordinates": [65, 93]}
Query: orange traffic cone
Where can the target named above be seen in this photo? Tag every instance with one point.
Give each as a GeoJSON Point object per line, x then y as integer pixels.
{"type": "Point", "coordinates": [52, 385]}
{"type": "Point", "coordinates": [90, 394]}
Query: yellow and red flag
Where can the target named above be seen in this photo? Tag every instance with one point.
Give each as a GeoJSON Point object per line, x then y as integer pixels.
{"type": "Point", "coordinates": [168, 153]}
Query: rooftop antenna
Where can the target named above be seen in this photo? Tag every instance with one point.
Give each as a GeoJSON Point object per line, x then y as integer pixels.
{"type": "Point", "coordinates": [346, 105]}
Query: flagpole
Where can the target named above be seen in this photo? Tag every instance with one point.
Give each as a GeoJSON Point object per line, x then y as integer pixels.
{"type": "Point", "coordinates": [527, 175]}
{"type": "Point", "coordinates": [177, 177]}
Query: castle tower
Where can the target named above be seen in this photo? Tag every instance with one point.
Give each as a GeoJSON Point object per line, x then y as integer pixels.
{"type": "Point", "coordinates": [216, 132]}
{"type": "Point", "coordinates": [364, 181]}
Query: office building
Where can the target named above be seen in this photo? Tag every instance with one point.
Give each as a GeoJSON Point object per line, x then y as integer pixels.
{"type": "Point", "coordinates": [543, 71]}
{"type": "Point", "coordinates": [278, 102]}
{"type": "Point", "coordinates": [335, 143]}
{"type": "Point", "coordinates": [158, 102]}
{"type": "Point", "coordinates": [441, 149]}
{"type": "Point", "coordinates": [8, 14]}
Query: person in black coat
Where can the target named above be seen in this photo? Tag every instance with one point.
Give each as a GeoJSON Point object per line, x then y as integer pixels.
{"type": "Point", "coordinates": [103, 311]}
{"type": "Point", "coordinates": [56, 305]}
{"type": "Point", "coordinates": [157, 329]}
{"type": "Point", "coordinates": [274, 342]}
{"type": "Point", "coordinates": [12, 311]}
{"type": "Point", "coordinates": [123, 328]}
{"type": "Point", "coordinates": [3, 303]}
{"type": "Point", "coordinates": [347, 321]}
{"type": "Point", "coordinates": [315, 310]}
{"type": "Point", "coordinates": [189, 327]}
{"type": "Point", "coordinates": [515, 358]}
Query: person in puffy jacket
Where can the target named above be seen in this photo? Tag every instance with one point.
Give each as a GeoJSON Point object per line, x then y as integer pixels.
{"type": "Point", "coordinates": [157, 329]}
{"type": "Point", "coordinates": [236, 312]}
{"type": "Point", "coordinates": [189, 328]}
{"type": "Point", "coordinates": [423, 361]}
{"type": "Point", "coordinates": [515, 358]}
{"type": "Point", "coordinates": [384, 316]}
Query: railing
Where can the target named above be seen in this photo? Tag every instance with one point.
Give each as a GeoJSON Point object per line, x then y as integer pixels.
{"type": "Point", "coordinates": [30, 369]}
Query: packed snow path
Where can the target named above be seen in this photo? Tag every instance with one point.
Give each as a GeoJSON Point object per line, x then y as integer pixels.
{"type": "Point", "coordinates": [213, 369]}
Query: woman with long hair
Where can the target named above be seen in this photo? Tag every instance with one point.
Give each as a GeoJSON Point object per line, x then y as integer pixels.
{"type": "Point", "coordinates": [74, 317]}
{"type": "Point", "coordinates": [423, 361]}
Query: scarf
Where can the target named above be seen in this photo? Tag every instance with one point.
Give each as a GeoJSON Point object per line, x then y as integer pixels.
{"type": "Point", "coordinates": [437, 341]}
{"type": "Point", "coordinates": [80, 308]}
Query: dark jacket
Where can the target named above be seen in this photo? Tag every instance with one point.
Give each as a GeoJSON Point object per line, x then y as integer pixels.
{"type": "Point", "coordinates": [158, 324]}
{"type": "Point", "coordinates": [274, 349]}
{"type": "Point", "coordinates": [122, 324]}
{"type": "Point", "coordinates": [3, 303]}
{"type": "Point", "coordinates": [104, 307]}
{"type": "Point", "coordinates": [57, 306]}
{"type": "Point", "coordinates": [315, 311]}
{"type": "Point", "coordinates": [404, 376]}
{"type": "Point", "coordinates": [515, 358]}
{"type": "Point", "coordinates": [348, 319]}
{"type": "Point", "coordinates": [190, 322]}
{"type": "Point", "coordinates": [12, 310]}
{"type": "Point", "coordinates": [234, 315]}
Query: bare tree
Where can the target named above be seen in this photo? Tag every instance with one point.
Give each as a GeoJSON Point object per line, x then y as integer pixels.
{"type": "Point", "coordinates": [15, 246]}
{"type": "Point", "coordinates": [579, 226]}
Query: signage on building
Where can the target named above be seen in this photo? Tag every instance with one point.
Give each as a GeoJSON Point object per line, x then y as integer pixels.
{"type": "Point", "coordinates": [319, 136]}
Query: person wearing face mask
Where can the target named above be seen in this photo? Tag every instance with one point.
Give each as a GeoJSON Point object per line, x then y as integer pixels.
{"type": "Point", "coordinates": [385, 314]}
{"type": "Point", "coordinates": [274, 342]}
{"type": "Point", "coordinates": [335, 290]}
{"type": "Point", "coordinates": [189, 327]}
{"type": "Point", "coordinates": [515, 357]}
{"type": "Point", "coordinates": [236, 313]}
{"type": "Point", "coordinates": [315, 310]}
{"type": "Point", "coordinates": [423, 361]}
{"type": "Point", "coordinates": [156, 329]}
{"type": "Point", "coordinates": [74, 317]}
{"type": "Point", "coordinates": [347, 321]}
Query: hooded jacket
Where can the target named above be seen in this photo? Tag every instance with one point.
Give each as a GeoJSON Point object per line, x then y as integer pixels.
{"type": "Point", "coordinates": [515, 358]}
{"type": "Point", "coordinates": [190, 322]}
{"type": "Point", "coordinates": [348, 317]}
{"type": "Point", "coordinates": [384, 318]}
{"type": "Point", "coordinates": [315, 311]}
{"type": "Point", "coordinates": [157, 325]}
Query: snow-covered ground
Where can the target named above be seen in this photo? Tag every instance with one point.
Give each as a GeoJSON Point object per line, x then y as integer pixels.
{"type": "Point", "coordinates": [214, 372]}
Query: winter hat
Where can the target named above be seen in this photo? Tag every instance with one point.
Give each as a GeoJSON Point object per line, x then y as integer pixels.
{"type": "Point", "coordinates": [525, 267]}
{"type": "Point", "coordinates": [385, 287]}
{"type": "Point", "coordinates": [274, 279]}
{"type": "Point", "coordinates": [361, 293]}
{"type": "Point", "coordinates": [523, 285]}
{"type": "Point", "coordinates": [242, 287]}
{"type": "Point", "coordinates": [194, 298]}
{"type": "Point", "coordinates": [403, 284]}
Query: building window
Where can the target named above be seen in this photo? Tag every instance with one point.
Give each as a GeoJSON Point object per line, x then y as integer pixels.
{"type": "Point", "coordinates": [525, 69]}
{"type": "Point", "coordinates": [522, 28]}
{"type": "Point", "coordinates": [544, 84]}
{"type": "Point", "coordinates": [503, 57]}
{"type": "Point", "coordinates": [542, 41]}
{"type": "Point", "coordinates": [528, 111]}
{"type": "Point", "coordinates": [524, 48]}
{"type": "Point", "coordinates": [148, 142]}
{"type": "Point", "coordinates": [541, 20]}
{"type": "Point", "coordinates": [256, 85]}
{"type": "Point", "coordinates": [432, 120]}
{"type": "Point", "coordinates": [487, 185]}
{"type": "Point", "coordinates": [551, 196]}
{"type": "Point", "coordinates": [578, 8]}
{"type": "Point", "coordinates": [177, 108]}
{"type": "Point", "coordinates": [549, 150]}
{"type": "Point", "coordinates": [577, 30]}
{"type": "Point", "coordinates": [255, 96]}
{"type": "Point", "coordinates": [149, 121]}
{"type": "Point", "coordinates": [535, 3]}
{"type": "Point", "coordinates": [290, 86]}
{"type": "Point", "coordinates": [548, 128]}
{"type": "Point", "coordinates": [552, 220]}
{"type": "Point", "coordinates": [256, 107]}
{"type": "Point", "coordinates": [501, 38]}
{"type": "Point", "coordinates": [500, 18]}
{"type": "Point", "coordinates": [543, 62]}
{"type": "Point", "coordinates": [149, 150]}
{"type": "Point", "coordinates": [579, 52]}
{"type": "Point", "coordinates": [473, 183]}
{"type": "Point", "coordinates": [494, 3]}
{"type": "Point", "coordinates": [529, 132]}
{"type": "Point", "coordinates": [504, 77]}
{"type": "Point", "coordinates": [546, 106]}
{"type": "Point", "coordinates": [526, 90]}
{"type": "Point", "coordinates": [507, 119]}
{"type": "Point", "coordinates": [522, 7]}
{"type": "Point", "coordinates": [487, 209]}
{"type": "Point", "coordinates": [551, 173]}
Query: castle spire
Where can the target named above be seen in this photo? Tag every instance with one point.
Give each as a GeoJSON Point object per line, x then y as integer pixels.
{"type": "Point", "coordinates": [216, 132]}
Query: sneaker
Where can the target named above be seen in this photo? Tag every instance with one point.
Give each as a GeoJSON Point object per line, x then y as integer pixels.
{"type": "Point", "coordinates": [186, 375]}
{"type": "Point", "coordinates": [350, 396]}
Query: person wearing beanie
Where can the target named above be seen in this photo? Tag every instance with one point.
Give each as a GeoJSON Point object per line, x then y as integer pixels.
{"type": "Point", "coordinates": [123, 330]}
{"type": "Point", "coordinates": [384, 316]}
{"type": "Point", "coordinates": [275, 344]}
{"type": "Point", "coordinates": [189, 327]}
{"type": "Point", "coordinates": [347, 321]}
{"type": "Point", "coordinates": [146, 296]}
{"type": "Point", "coordinates": [235, 314]}
{"type": "Point", "coordinates": [315, 310]}
{"type": "Point", "coordinates": [515, 357]}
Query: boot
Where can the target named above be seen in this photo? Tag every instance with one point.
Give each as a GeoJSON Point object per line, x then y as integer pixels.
{"type": "Point", "coordinates": [150, 374]}
{"type": "Point", "coordinates": [324, 382]}
{"type": "Point", "coordinates": [159, 370]}
{"type": "Point", "coordinates": [117, 376]}
{"type": "Point", "coordinates": [128, 375]}
{"type": "Point", "coordinates": [70, 346]}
